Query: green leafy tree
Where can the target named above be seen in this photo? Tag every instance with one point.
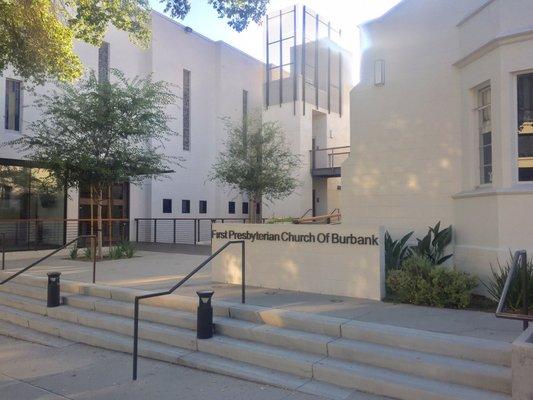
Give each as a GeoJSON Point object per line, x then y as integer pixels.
{"type": "Point", "coordinates": [96, 134]}
{"type": "Point", "coordinates": [37, 36]}
{"type": "Point", "coordinates": [257, 162]}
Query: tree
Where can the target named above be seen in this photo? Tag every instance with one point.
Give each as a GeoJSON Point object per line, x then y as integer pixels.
{"type": "Point", "coordinates": [95, 134]}
{"type": "Point", "coordinates": [257, 162]}
{"type": "Point", "coordinates": [37, 36]}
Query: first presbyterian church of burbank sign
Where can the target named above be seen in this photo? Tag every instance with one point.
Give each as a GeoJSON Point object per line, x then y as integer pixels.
{"type": "Point", "coordinates": [310, 237]}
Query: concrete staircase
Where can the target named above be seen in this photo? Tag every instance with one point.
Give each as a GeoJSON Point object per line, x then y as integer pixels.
{"type": "Point", "coordinates": [315, 354]}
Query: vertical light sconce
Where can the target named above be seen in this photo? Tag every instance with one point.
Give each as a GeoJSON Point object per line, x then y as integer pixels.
{"type": "Point", "coordinates": [379, 73]}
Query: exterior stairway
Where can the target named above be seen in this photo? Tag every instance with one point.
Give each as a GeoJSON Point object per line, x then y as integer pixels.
{"type": "Point", "coordinates": [315, 354]}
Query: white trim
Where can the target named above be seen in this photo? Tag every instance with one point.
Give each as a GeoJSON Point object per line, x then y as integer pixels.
{"type": "Point", "coordinates": [475, 12]}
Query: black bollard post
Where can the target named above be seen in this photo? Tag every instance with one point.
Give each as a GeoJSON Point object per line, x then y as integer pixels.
{"type": "Point", "coordinates": [54, 293]}
{"type": "Point", "coordinates": [204, 322]}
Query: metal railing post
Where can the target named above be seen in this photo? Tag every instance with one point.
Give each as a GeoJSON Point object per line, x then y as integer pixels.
{"type": "Point", "coordinates": [155, 230]}
{"type": "Point", "coordinates": [174, 230]}
{"type": "Point", "coordinates": [136, 230]}
{"type": "Point", "coordinates": [243, 273]}
{"type": "Point", "coordinates": [195, 232]}
{"type": "Point", "coordinates": [93, 247]}
{"type": "Point", "coordinates": [525, 287]}
{"type": "Point", "coordinates": [135, 336]}
{"type": "Point", "coordinates": [3, 251]}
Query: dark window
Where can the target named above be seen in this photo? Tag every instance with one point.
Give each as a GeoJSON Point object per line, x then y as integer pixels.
{"type": "Point", "coordinates": [203, 207]}
{"type": "Point", "coordinates": [167, 206]}
{"type": "Point", "coordinates": [231, 207]}
{"type": "Point", "coordinates": [245, 207]}
{"type": "Point", "coordinates": [185, 206]}
{"type": "Point", "coordinates": [103, 62]}
{"type": "Point", "coordinates": [186, 109]}
{"type": "Point", "coordinates": [485, 135]}
{"type": "Point", "coordinates": [12, 118]}
{"type": "Point", "coordinates": [525, 127]}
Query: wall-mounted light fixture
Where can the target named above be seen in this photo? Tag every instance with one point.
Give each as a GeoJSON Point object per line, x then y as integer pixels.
{"type": "Point", "coordinates": [379, 73]}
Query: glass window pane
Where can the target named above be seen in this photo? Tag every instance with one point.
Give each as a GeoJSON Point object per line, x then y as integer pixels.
{"type": "Point", "coordinates": [525, 127]}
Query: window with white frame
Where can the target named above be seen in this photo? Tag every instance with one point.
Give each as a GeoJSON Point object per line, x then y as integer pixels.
{"type": "Point", "coordinates": [485, 135]}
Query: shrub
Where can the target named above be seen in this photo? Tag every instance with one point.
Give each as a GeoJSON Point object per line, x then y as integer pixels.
{"type": "Point", "coordinates": [127, 249]}
{"type": "Point", "coordinates": [279, 220]}
{"type": "Point", "coordinates": [496, 282]}
{"type": "Point", "coordinates": [434, 244]}
{"type": "Point", "coordinates": [396, 251]}
{"type": "Point", "coordinates": [73, 253]}
{"type": "Point", "coordinates": [115, 252]}
{"type": "Point", "coordinates": [88, 253]}
{"type": "Point", "coordinates": [419, 281]}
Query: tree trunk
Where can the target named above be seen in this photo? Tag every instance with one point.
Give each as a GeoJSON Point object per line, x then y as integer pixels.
{"type": "Point", "coordinates": [254, 215]}
{"type": "Point", "coordinates": [99, 229]}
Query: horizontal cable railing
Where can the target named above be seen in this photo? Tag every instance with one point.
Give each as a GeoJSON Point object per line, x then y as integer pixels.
{"type": "Point", "coordinates": [519, 263]}
{"type": "Point", "coordinates": [331, 157]}
{"type": "Point", "coordinates": [51, 233]}
{"type": "Point", "coordinates": [179, 230]}
{"type": "Point", "coordinates": [40, 260]}
{"type": "Point", "coordinates": [176, 286]}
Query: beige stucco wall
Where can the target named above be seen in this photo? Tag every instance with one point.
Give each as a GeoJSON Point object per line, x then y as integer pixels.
{"type": "Point", "coordinates": [415, 143]}
{"type": "Point", "coordinates": [336, 269]}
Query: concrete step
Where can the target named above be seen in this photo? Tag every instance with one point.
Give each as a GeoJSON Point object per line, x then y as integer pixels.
{"type": "Point", "coordinates": [431, 366]}
{"type": "Point", "coordinates": [394, 384]}
{"type": "Point", "coordinates": [423, 364]}
{"type": "Point", "coordinates": [194, 359]}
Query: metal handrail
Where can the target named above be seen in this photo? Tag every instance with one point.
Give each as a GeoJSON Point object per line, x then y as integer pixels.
{"type": "Point", "coordinates": [93, 241]}
{"type": "Point", "coordinates": [519, 260]}
{"type": "Point", "coordinates": [176, 286]}
{"type": "Point", "coordinates": [305, 213]}
{"type": "Point", "coordinates": [3, 236]}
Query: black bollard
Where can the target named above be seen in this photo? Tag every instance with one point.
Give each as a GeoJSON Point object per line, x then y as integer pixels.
{"type": "Point", "coordinates": [54, 292]}
{"type": "Point", "coordinates": [204, 322]}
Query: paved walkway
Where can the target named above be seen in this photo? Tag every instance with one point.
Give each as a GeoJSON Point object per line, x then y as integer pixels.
{"type": "Point", "coordinates": [155, 270]}
{"type": "Point", "coordinates": [66, 370]}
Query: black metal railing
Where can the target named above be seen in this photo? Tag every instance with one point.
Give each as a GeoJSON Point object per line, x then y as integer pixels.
{"type": "Point", "coordinates": [93, 253]}
{"type": "Point", "coordinates": [519, 262]}
{"type": "Point", "coordinates": [3, 238]}
{"type": "Point", "coordinates": [52, 233]}
{"type": "Point", "coordinates": [179, 230]}
{"type": "Point", "coordinates": [176, 286]}
{"type": "Point", "coordinates": [328, 158]}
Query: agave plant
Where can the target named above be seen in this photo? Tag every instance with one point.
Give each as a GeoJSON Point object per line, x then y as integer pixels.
{"type": "Point", "coordinates": [434, 244]}
{"type": "Point", "coordinates": [396, 251]}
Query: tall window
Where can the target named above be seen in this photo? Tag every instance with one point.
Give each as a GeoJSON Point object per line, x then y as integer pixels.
{"type": "Point", "coordinates": [103, 62]}
{"type": "Point", "coordinates": [231, 207]}
{"type": "Point", "coordinates": [202, 207]}
{"type": "Point", "coordinates": [186, 110]}
{"type": "Point", "coordinates": [12, 118]}
{"type": "Point", "coordinates": [485, 136]}
{"type": "Point", "coordinates": [245, 207]}
{"type": "Point", "coordinates": [525, 127]}
{"type": "Point", "coordinates": [167, 206]}
{"type": "Point", "coordinates": [185, 206]}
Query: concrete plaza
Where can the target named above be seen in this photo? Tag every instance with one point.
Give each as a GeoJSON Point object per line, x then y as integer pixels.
{"type": "Point", "coordinates": [162, 268]}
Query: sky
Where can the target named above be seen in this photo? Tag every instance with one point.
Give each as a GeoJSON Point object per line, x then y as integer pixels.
{"type": "Point", "coordinates": [345, 14]}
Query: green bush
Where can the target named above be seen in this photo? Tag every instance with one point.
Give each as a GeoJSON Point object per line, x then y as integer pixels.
{"type": "Point", "coordinates": [419, 281]}
{"type": "Point", "coordinates": [279, 220]}
{"type": "Point", "coordinates": [122, 250]}
{"type": "Point", "coordinates": [73, 253]}
{"type": "Point", "coordinates": [433, 245]}
{"type": "Point", "coordinates": [115, 252]}
{"type": "Point", "coordinates": [396, 251]}
{"type": "Point", "coordinates": [497, 279]}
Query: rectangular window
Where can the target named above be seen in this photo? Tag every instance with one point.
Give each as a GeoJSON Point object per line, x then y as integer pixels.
{"type": "Point", "coordinates": [186, 110]}
{"type": "Point", "coordinates": [245, 207]}
{"type": "Point", "coordinates": [103, 62]}
{"type": "Point", "coordinates": [485, 135]}
{"type": "Point", "coordinates": [203, 207]}
{"type": "Point", "coordinates": [167, 206]}
{"type": "Point", "coordinates": [525, 127]}
{"type": "Point", "coordinates": [231, 207]}
{"type": "Point", "coordinates": [185, 206]}
{"type": "Point", "coordinates": [12, 118]}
